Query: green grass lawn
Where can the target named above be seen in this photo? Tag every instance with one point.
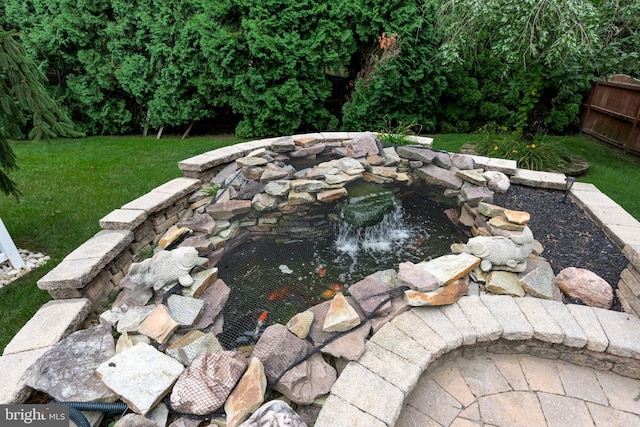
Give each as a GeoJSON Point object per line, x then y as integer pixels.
{"type": "Point", "coordinates": [69, 184]}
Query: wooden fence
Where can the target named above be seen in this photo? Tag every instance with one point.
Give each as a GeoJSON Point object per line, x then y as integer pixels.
{"type": "Point", "coordinates": [611, 112]}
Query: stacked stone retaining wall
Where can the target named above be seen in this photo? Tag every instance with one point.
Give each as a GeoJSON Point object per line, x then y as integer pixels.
{"type": "Point", "coordinates": [84, 279]}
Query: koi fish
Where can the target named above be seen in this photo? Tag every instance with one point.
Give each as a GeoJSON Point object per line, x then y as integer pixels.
{"type": "Point", "coordinates": [236, 333]}
{"type": "Point", "coordinates": [418, 243]}
{"type": "Point", "coordinates": [280, 294]}
{"type": "Point", "coordinates": [327, 294]}
{"type": "Point", "coordinates": [337, 287]}
{"type": "Point", "coordinates": [322, 272]}
{"type": "Point", "coordinates": [261, 320]}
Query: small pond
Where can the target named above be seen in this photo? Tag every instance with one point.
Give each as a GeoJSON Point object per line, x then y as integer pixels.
{"type": "Point", "coordinates": [289, 274]}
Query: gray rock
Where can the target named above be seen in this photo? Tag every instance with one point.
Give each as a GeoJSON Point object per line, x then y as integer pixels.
{"type": "Point", "coordinates": [264, 202]}
{"type": "Point", "coordinates": [269, 350]}
{"type": "Point", "coordinates": [473, 194]}
{"type": "Point", "coordinates": [135, 420]}
{"type": "Point", "coordinates": [227, 210]}
{"type": "Point", "coordinates": [435, 175]}
{"type": "Point", "coordinates": [442, 160]}
{"type": "Point", "coordinates": [308, 151]}
{"type": "Point", "coordinates": [370, 295]}
{"type": "Point", "coordinates": [251, 188]}
{"type": "Point", "coordinates": [416, 153]}
{"type": "Point", "coordinates": [277, 188]}
{"type": "Point", "coordinates": [504, 283]}
{"type": "Point", "coordinates": [215, 297]}
{"type": "Point", "coordinates": [416, 277]}
{"type": "Point", "coordinates": [463, 161]}
{"type": "Point", "coordinates": [497, 181]}
{"type": "Point", "coordinates": [362, 145]}
{"type": "Point", "coordinates": [134, 317]}
{"type": "Point", "coordinates": [308, 185]}
{"type": "Point", "coordinates": [283, 145]}
{"type": "Point", "coordinates": [184, 310]}
{"type": "Point", "coordinates": [67, 371]}
{"type": "Point", "coordinates": [207, 382]}
{"type": "Point", "coordinates": [308, 380]}
{"type": "Point", "coordinates": [349, 166]}
{"type": "Point", "coordinates": [351, 345]}
{"type": "Point", "coordinates": [136, 296]}
{"type": "Point", "coordinates": [140, 375]}
{"type": "Point", "coordinates": [273, 172]}
{"type": "Point", "coordinates": [538, 279]}
{"type": "Point", "coordinates": [251, 161]}
{"type": "Point", "coordinates": [275, 413]}
{"type": "Point", "coordinates": [202, 223]}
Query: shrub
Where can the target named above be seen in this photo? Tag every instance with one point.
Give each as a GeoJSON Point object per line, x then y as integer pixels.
{"type": "Point", "coordinates": [537, 153]}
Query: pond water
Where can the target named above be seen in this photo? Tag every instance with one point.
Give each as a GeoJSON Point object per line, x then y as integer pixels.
{"type": "Point", "coordinates": [286, 276]}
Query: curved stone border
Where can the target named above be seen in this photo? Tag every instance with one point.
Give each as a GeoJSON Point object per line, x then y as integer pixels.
{"type": "Point", "coordinates": [88, 274]}
{"type": "Point", "coordinates": [371, 391]}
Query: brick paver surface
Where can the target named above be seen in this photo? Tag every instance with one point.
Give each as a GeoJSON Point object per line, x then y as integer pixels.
{"type": "Point", "coordinates": [513, 390]}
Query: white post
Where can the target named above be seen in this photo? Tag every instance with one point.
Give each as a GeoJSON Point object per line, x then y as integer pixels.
{"type": "Point", "coordinates": [8, 250]}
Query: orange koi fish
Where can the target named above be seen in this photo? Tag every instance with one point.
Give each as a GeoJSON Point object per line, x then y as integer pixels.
{"type": "Point", "coordinates": [261, 320]}
{"type": "Point", "coordinates": [327, 294]}
{"type": "Point", "coordinates": [280, 294]}
{"type": "Point", "coordinates": [322, 272]}
{"type": "Point", "coordinates": [418, 243]}
{"type": "Point", "coordinates": [337, 287]}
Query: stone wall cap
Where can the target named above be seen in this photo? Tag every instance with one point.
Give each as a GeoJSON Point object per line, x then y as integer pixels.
{"type": "Point", "coordinates": [622, 330]}
{"type": "Point", "coordinates": [123, 219]}
{"type": "Point", "coordinates": [207, 160]}
{"type": "Point", "coordinates": [164, 196]}
{"type": "Point", "coordinates": [632, 252]}
{"type": "Point", "coordinates": [179, 187]}
{"type": "Point", "coordinates": [104, 245]}
{"type": "Point", "coordinates": [421, 140]}
{"type": "Point", "coordinates": [52, 322]}
{"type": "Point", "coordinates": [15, 370]}
{"type": "Point", "coordinates": [508, 167]}
{"type": "Point", "coordinates": [539, 179]}
{"type": "Point", "coordinates": [71, 274]}
{"type": "Point", "coordinates": [622, 235]}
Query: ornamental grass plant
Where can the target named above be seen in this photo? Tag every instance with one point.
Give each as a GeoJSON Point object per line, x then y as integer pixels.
{"type": "Point", "coordinates": [536, 153]}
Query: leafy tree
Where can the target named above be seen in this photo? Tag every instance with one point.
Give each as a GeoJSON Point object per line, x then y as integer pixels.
{"type": "Point", "coordinates": [21, 90]}
{"type": "Point", "coordinates": [269, 58]}
{"type": "Point", "coordinates": [548, 51]}
{"type": "Point", "coordinates": [397, 82]}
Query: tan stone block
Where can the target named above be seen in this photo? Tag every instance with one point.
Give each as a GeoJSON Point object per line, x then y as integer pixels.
{"type": "Point", "coordinates": [159, 325]}
{"type": "Point", "coordinates": [517, 217]}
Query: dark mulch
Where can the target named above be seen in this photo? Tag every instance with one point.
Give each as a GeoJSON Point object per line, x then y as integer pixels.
{"type": "Point", "coordinates": [569, 237]}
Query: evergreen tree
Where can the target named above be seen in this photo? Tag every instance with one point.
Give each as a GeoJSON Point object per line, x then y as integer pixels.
{"type": "Point", "coordinates": [21, 91]}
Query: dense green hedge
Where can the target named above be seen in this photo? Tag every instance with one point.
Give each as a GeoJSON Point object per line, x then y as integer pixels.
{"type": "Point", "coordinates": [121, 65]}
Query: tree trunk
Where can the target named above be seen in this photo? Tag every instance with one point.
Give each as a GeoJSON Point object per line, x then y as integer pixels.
{"type": "Point", "coordinates": [186, 132]}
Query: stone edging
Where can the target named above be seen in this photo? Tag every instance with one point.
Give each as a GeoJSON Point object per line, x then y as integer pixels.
{"type": "Point", "coordinates": [371, 391]}
{"type": "Point", "coordinates": [87, 275]}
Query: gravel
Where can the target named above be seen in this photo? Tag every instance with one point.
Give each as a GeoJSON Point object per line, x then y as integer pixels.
{"type": "Point", "coordinates": [569, 237]}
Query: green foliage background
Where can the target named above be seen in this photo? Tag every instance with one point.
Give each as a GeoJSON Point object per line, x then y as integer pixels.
{"type": "Point", "coordinates": [122, 65]}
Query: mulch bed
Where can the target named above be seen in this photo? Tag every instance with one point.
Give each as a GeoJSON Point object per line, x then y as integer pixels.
{"type": "Point", "coordinates": [569, 237]}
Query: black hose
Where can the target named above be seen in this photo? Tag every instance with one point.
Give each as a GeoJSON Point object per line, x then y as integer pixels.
{"type": "Point", "coordinates": [78, 417]}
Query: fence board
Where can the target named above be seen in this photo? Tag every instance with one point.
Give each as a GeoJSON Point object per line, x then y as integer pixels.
{"type": "Point", "coordinates": [611, 112]}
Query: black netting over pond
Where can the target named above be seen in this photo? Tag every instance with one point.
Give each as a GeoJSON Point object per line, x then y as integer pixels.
{"type": "Point", "coordinates": [320, 255]}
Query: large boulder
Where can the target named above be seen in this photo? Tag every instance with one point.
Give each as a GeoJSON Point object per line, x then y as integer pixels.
{"type": "Point", "coordinates": [586, 286]}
